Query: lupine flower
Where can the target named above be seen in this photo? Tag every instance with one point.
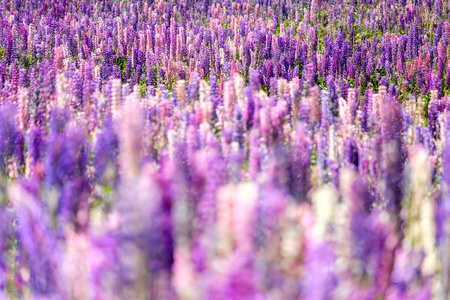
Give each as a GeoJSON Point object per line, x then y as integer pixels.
{"type": "Point", "coordinates": [40, 248]}
{"type": "Point", "coordinates": [394, 154]}
{"type": "Point", "coordinates": [8, 133]}
{"type": "Point", "coordinates": [215, 150]}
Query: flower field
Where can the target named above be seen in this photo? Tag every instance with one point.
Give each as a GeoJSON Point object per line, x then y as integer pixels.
{"type": "Point", "coordinates": [263, 149]}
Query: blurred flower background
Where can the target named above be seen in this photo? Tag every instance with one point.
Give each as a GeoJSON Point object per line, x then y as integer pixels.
{"type": "Point", "coordinates": [263, 149]}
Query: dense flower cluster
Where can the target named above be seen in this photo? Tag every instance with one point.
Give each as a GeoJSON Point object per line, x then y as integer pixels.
{"type": "Point", "coordinates": [224, 150]}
